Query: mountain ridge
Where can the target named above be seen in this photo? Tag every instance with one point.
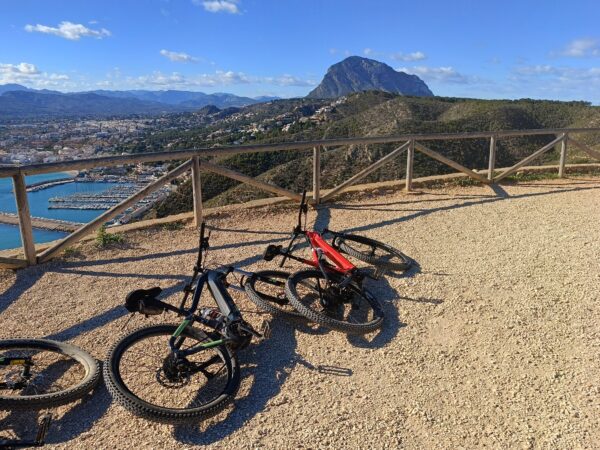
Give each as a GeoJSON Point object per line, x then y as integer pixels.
{"type": "Point", "coordinates": [18, 101]}
{"type": "Point", "coordinates": [357, 74]}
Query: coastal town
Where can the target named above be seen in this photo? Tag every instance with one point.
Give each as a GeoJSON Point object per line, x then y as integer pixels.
{"type": "Point", "coordinates": [62, 139]}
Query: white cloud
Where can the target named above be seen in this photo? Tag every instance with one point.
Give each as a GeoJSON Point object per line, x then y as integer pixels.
{"type": "Point", "coordinates": [557, 81]}
{"type": "Point", "coordinates": [216, 6]}
{"type": "Point", "coordinates": [69, 30]}
{"type": "Point", "coordinates": [288, 80]}
{"type": "Point", "coordinates": [216, 79]}
{"type": "Point", "coordinates": [566, 75]}
{"type": "Point", "coordinates": [178, 56]}
{"type": "Point", "coordinates": [414, 56]}
{"type": "Point", "coordinates": [580, 48]}
{"type": "Point", "coordinates": [29, 74]}
{"type": "Point", "coordinates": [439, 74]}
{"type": "Point", "coordinates": [22, 69]}
{"type": "Point", "coordinates": [397, 56]}
{"type": "Point", "coordinates": [541, 69]}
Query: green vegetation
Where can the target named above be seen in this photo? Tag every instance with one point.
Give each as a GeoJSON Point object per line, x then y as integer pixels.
{"type": "Point", "coordinates": [172, 226]}
{"type": "Point", "coordinates": [105, 239]}
{"type": "Point", "coordinates": [372, 114]}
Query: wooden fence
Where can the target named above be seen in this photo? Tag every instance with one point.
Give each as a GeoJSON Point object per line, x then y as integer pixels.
{"type": "Point", "coordinates": [407, 143]}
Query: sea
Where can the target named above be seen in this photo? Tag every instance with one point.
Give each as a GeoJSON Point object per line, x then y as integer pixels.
{"type": "Point", "coordinates": [38, 204]}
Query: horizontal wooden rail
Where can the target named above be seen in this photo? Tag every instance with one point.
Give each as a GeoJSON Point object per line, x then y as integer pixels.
{"type": "Point", "coordinates": [193, 161]}
{"type": "Point", "coordinates": [107, 161]}
{"type": "Point", "coordinates": [12, 263]}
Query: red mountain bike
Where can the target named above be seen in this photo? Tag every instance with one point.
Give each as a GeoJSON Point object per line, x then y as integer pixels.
{"type": "Point", "coordinates": [332, 293]}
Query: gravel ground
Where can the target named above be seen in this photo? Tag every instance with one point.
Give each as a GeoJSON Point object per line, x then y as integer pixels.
{"type": "Point", "coordinates": [492, 341]}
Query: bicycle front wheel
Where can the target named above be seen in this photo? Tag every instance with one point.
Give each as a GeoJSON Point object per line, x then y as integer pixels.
{"type": "Point", "coordinates": [144, 377]}
{"type": "Point", "coordinates": [350, 309]}
{"type": "Point", "coordinates": [40, 373]}
{"type": "Point", "coordinates": [373, 252]}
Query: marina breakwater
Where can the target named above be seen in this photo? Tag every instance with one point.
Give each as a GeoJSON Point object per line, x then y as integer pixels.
{"type": "Point", "coordinates": [48, 184]}
{"type": "Point", "coordinates": [41, 222]}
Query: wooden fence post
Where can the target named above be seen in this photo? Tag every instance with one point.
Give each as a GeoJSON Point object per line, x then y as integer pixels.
{"type": "Point", "coordinates": [24, 218]}
{"type": "Point", "coordinates": [410, 159]}
{"type": "Point", "coordinates": [563, 156]}
{"type": "Point", "coordinates": [197, 191]}
{"type": "Point", "coordinates": [492, 161]}
{"type": "Point", "coordinates": [317, 175]}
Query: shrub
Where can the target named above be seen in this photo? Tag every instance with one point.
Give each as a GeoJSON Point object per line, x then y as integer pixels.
{"type": "Point", "coordinates": [105, 239]}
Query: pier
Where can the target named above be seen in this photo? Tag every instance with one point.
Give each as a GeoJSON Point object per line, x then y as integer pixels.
{"type": "Point", "coordinates": [34, 187]}
{"type": "Point", "coordinates": [40, 222]}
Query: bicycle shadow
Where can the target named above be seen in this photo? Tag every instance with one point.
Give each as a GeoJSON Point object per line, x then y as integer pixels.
{"type": "Point", "coordinates": [268, 364]}
{"type": "Point", "coordinates": [80, 417]}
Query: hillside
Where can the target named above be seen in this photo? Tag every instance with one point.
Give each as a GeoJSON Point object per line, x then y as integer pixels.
{"type": "Point", "coordinates": [356, 74]}
{"type": "Point", "coordinates": [372, 114]}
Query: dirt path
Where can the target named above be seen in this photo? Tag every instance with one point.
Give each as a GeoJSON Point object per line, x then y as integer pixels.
{"type": "Point", "coordinates": [491, 342]}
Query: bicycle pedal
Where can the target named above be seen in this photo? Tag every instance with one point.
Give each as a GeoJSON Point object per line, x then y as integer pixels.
{"type": "Point", "coordinates": [265, 329]}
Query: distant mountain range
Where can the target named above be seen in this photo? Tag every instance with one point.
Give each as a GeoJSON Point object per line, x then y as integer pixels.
{"type": "Point", "coordinates": [356, 74]}
{"type": "Point", "coordinates": [17, 101]}
{"type": "Point", "coordinates": [353, 74]}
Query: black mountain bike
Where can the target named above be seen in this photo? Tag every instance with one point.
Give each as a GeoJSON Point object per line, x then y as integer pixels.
{"type": "Point", "coordinates": [182, 373]}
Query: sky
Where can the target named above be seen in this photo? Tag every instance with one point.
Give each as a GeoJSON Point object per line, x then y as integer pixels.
{"type": "Point", "coordinates": [484, 49]}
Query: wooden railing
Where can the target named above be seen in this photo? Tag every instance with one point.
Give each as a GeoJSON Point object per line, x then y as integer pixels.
{"type": "Point", "coordinates": [408, 143]}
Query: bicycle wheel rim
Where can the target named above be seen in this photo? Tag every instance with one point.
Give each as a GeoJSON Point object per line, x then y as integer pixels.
{"type": "Point", "coordinates": [163, 399]}
{"type": "Point", "coordinates": [307, 291]}
{"type": "Point", "coordinates": [60, 373]}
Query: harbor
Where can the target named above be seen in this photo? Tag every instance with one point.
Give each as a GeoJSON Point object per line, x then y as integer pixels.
{"type": "Point", "coordinates": [109, 198]}
{"type": "Point", "coordinates": [62, 202]}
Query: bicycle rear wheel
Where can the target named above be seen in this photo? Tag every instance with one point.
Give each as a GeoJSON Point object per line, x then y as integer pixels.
{"type": "Point", "coordinates": [267, 290]}
{"type": "Point", "coordinates": [40, 373]}
{"type": "Point", "coordinates": [373, 252]}
{"type": "Point", "coordinates": [351, 309]}
{"type": "Point", "coordinates": [143, 376]}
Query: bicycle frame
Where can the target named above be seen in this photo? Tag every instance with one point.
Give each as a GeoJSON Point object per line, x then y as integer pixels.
{"type": "Point", "coordinates": [324, 255]}
{"type": "Point", "coordinates": [320, 248]}
{"type": "Point", "coordinates": [229, 329]}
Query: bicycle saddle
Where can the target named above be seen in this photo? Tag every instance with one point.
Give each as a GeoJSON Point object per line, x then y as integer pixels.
{"type": "Point", "coordinates": [136, 298]}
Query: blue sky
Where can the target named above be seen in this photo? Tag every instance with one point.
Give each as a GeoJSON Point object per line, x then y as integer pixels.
{"type": "Point", "coordinates": [485, 49]}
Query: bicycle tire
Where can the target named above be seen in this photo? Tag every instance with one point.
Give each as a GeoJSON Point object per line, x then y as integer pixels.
{"type": "Point", "coordinates": [139, 407]}
{"type": "Point", "coordinates": [262, 299]}
{"type": "Point", "coordinates": [400, 260]}
{"type": "Point", "coordinates": [52, 399]}
{"type": "Point", "coordinates": [326, 320]}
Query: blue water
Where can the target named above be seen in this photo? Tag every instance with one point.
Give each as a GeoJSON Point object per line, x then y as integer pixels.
{"type": "Point", "coordinates": [38, 205]}
{"type": "Point", "coordinates": [10, 237]}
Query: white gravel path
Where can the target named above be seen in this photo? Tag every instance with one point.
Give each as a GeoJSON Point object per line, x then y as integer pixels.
{"type": "Point", "coordinates": [492, 342]}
